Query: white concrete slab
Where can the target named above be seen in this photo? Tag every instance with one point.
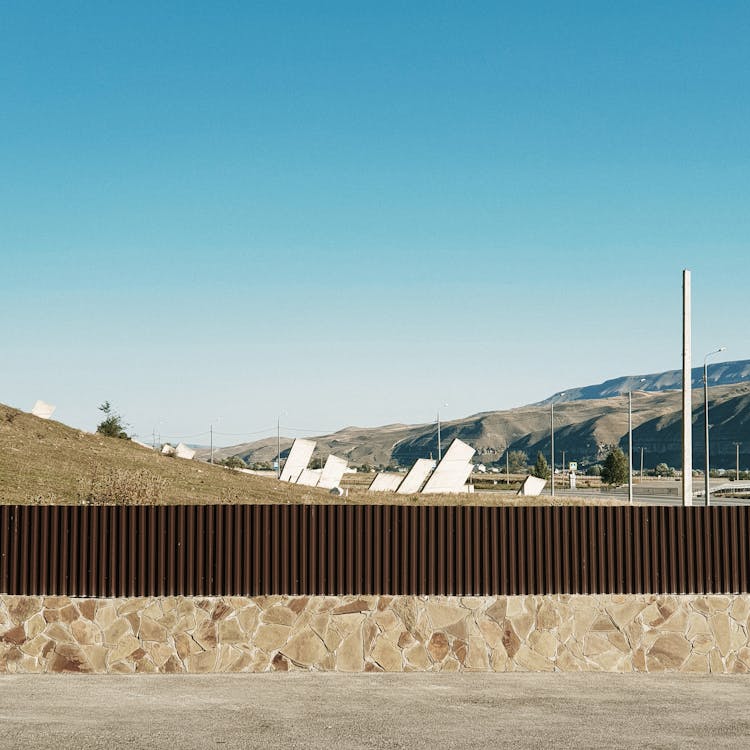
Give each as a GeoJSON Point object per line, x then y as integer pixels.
{"type": "Point", "coordinates": [297, 460]}
{"type": "Point", "coordinates": [451, 473]}
{"type": "Point", "coordinates": [414, 480]}
{"type": "Point", "coordinates": [43, 410]}
{"type": "Point", "coordinates": [309, 477]}
{"type": "Point", "coordinates": [532, 487]}
{"type": "Point", "coordinates": [385, 481]}
{"type": "Point", "coordinates": [183, 451]}
{"type": "Point", "coordinates": [333, 471]}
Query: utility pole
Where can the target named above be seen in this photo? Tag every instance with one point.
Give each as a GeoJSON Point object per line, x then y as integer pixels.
{"type": "Point", "coordinates": [552, 439]}
{"type": "Point", "coordinates": [737, 470]}
{"type": "Point", "coordinates": [440, 446]}
{"type": "Point", "coordinates": [705, 418]}
{"type": "Point", "coordinates": [278, 447]}
{"type": "Point", "coordinates": [552, 447]}
{"type": "Point", "coordinates": [630, 447]}
{"type": "Point", "coordinates": [641, 463]}
{"type": "Point", "coordinates": [507, 465]}
{"type": "Point", "coordinates": [211, 430]}
{"type": "Point", "coordinates": [687, 394]}
{"type": "Point", "coordinates": [440, 449]}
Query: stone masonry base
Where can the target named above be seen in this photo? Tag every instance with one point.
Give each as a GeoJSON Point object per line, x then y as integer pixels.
{"type": "Point", "coordinates": [376, 634]}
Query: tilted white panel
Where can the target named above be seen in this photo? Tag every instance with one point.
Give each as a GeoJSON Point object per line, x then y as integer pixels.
{"type": "Point", "coordinates": [532, 487]}
{"type": "Point", "coordinates": [416, 476]}
{"type": "Point", "coordinates": [385, 482]}
{"type": "Point", "coordinates": [42, 410]}
{"type": "Point", "coordinates": [310, 477]}
{"type": "Point", "coordinates": [453, 471]}
{"type": "Point", "coordinates": [183, 451]}
{"type": "Point", "coordinates": [332, 472]}
{"type": "Point", "coordinates": [297, 460]}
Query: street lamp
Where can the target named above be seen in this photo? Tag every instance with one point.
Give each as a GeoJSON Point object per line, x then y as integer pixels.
{"type": "Point", "coordinates": [552, 438]}
{"type": "Point", "coordinates": [211, 432]}
{"type": "Point", "coordinates": [630, 443]}
{"type": "Point", "coordinates": [737, 469]}
{"type": "Point", "coordinates": [278, 443]}
{"type": "Point", "coordinates": [440, 447]}
{"type": "Point", "coordinates": [705, 413]}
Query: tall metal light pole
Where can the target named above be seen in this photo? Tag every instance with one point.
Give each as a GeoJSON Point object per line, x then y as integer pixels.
{"type": "Point", "coordinates": [737, 470]}
{"type": "Point", "coordinates": [278, 446]}
{"type": "Point", "coordinates": [552, 439]}
{"type": "Point", "coordinates": [641, 463]}
{"type": "Point", "coordinates": [705, 414]}
{"type": "Point", "coordinates": [687, 393]}
{"type": "Point", "coordinates": [630, 443]}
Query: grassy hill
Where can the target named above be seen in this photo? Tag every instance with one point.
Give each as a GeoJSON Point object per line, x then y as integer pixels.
{"type": "Point", "coordinates": [45, 461]}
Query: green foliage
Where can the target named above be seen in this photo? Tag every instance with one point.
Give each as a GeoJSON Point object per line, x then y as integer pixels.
{"type": "Point", "coordinates": [517, 462]}
{"type": "Point", "coordinates": [541, 467]}
{"type": "Point", "coordinates": [112, 424]}
{"type": "Point", "coordinates": [365, 468]}
{"type": "Point", "coordinates": [615, 468]}
{"type": "Point", "coordinates": [594, 471]}
{"type": "Point", "coordinates": [662, 470]}
{"type": "Point", "coordinates": [317, 463]}
{"type": "Point", "coordinates": [233, 462]}
{"type": "Point", "coordinates": [261, 466]}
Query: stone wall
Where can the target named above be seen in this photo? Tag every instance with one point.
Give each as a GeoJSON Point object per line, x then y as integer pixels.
{"type": "Point", "coordinates": [375, 634]}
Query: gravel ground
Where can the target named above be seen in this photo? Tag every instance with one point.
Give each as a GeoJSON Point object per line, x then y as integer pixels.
{"type": "Point", "coordinates": [326, 711]}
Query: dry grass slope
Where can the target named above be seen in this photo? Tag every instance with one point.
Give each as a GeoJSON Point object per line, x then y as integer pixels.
{"type": "Point", "coordinates": [44, 462]}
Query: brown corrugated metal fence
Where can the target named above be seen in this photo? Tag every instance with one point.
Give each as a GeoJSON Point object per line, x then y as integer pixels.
{"type": "Point", "coordinates": [253, 550]}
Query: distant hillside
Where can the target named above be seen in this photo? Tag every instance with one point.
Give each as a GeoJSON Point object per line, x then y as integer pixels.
{"type": "Point", "coordinates": [44, 461]}
{"type": "Point", "coordinates": [584, 429]}
{"type": "Point", "coordinates": [721, 373]}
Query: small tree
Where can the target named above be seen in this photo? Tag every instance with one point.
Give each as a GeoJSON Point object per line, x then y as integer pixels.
{"type": "Point", "coordinates": [541, 467]}
{"type": "Point", "coordinates": [112, 425]}
{"type": "Point", "coordinates": [662, 470]}
{"type": "Point", "coordinates": [517, 462]}
{"type": "Point", "coordinates": [615, 468]}
{"type": "Point", "coordinates": [233, 462]}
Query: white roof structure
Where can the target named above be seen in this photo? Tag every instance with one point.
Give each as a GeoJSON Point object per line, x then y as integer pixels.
{"type": "Point", "coordinates": [385, 481]}
{"type": "Point", "coordinates": [309, 477]}
{"type": "Point", "coordinates": [333, 471]}
{"type": "Point", "coordinates": [452, 472]}
{"type": "Point", "coordinates": [297, 460]}
{"type": "Point", "coordinates": [43, 410]}
{"type": "Point", "coordinates": [183, 451]}
{"type": "Point", "coordinates": [414, 480]}
{"type": "Point", "coordinates": [532, 487]}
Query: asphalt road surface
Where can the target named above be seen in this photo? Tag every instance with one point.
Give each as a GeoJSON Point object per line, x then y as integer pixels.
{"type": "Point", "coordinates": [329, 711]}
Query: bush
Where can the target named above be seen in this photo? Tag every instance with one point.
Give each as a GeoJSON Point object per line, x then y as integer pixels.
{"type": "Point", "coordinates": [112, 425]}
{"type": "Point", "coordinates": [615, 469]}
{"type": "Point", "coordinates": [232, 462]}
{"type": "Point", "coordinates": [121, 487]}
{"type": "Point", "coordinates": [541, 467]}
{"type": "Point", "coordinates": [517, 462]}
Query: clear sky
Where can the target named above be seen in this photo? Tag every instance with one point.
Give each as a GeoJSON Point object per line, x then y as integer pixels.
{"type": "Point", "coordinates": [358, 212]}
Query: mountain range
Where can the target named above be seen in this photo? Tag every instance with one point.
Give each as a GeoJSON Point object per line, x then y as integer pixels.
{"type": "Point", "coordinates": [589, 420]}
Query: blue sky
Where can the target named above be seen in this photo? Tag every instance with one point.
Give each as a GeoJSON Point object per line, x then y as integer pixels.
{"type": "Point", "coordinates": [356, 213]}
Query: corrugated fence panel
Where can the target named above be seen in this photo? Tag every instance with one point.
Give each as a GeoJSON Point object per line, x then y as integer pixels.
{"type": "Point", "coordinates": [253, 550]}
